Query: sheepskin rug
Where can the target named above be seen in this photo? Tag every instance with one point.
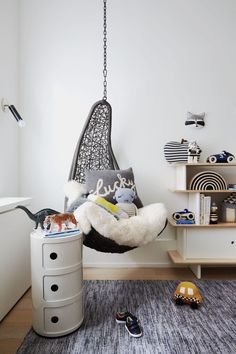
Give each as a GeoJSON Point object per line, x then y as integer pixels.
{"type": "Point", "coordinates": [134, 231]}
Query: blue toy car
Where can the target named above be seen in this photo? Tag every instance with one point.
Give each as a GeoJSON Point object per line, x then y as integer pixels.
{"type": "Point", "coordinates": [184, 217]}
{"type": "Point", "coordinates": [225, 156]}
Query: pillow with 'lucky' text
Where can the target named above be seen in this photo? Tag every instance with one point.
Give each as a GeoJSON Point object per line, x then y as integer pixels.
{"type": "Point", "coordinates": [106, 182]}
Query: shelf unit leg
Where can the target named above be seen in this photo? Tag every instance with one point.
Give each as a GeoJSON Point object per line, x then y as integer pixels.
{"type": "Point", "coordinates": [196, 269]}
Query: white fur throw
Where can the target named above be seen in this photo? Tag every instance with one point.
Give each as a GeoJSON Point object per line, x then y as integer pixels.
{"type": "Point", "coordinates": [135, 231]}
{"type": "Point", "coordinates": [73, 191]}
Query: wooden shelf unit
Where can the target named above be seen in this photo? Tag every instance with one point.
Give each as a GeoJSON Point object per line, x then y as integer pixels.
{"type": "Point", "coordinates": [178, 259]}
{"type": "Point", "coordinates": [209, 191]}
{"type": "Point", "coordinates": [199, 244]}
{"type": "Point", "coordinates": [185, 172]}
{"type": "Point", "coordinates": [219, 225]}
{"type": "Point", "coordinates": [204, 164]}
{"type": "Point", "coordinates": [196, 263]}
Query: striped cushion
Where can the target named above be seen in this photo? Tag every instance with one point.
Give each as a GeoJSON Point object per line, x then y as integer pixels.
{"type": "Point", "coordinates": [174, 151]}
{"type": "Point", "coordinates": [129, 208]}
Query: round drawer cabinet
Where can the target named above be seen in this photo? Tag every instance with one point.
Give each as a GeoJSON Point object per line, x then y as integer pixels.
{"type": "Point", "coordinates": [57, 283]}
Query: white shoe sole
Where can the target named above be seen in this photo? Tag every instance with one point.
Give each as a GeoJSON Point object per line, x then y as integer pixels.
{"type": "Point", "coordinates": [118, 321]}
{"type": "Point", "coordinates": [134, 335]}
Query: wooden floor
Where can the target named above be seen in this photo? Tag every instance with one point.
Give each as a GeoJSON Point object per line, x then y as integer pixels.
{"type": "Point", "coordinates": [17, 323]}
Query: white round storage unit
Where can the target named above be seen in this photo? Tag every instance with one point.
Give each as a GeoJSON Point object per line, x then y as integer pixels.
{"type": "Point", "coordinates": [57, 283]}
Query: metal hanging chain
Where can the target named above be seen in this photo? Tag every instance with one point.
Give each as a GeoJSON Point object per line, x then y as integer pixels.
{"type": "Point", "coordinates": [105, 50]}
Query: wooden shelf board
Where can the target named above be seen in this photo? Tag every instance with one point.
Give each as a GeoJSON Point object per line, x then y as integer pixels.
{"type": "Point", "coordinates": [219, 225]}
{"type": "Point", "coordinates": [202, 164]}
{"type": "Point", "coordinates": [208, 191]}
{"type": "Point", "coordinates": [178, 259]}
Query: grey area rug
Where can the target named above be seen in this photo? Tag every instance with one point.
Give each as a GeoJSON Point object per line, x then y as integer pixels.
{"type": "Point", "coordinates": [167, 328]}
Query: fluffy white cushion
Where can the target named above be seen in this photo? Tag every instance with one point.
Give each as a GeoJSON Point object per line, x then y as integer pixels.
{"type": "Point", "coordinates": [73, 191]}
{"type": "Point", "coordinates": [134, 231]}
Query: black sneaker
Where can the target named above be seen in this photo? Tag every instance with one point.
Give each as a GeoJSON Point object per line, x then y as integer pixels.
{"type": "Point", "coordinates": [122, 314]}
{"type": "Point", "coordinates": [133, 327]}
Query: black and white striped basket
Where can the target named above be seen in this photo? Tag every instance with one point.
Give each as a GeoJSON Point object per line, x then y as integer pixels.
{"type": "Point", "coordinates": [175, 151]}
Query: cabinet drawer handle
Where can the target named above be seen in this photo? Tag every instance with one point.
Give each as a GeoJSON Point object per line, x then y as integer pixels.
{"type": "Point", "coordinates": [54, 287]}
{"type": "Point", "coordinates": [54, 319]}
{"type": "Point", "coordinates": [53, 255]}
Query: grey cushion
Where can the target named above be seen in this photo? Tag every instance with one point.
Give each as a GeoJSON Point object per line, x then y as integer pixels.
{"type": "Point", "coordinates": [105, 183]}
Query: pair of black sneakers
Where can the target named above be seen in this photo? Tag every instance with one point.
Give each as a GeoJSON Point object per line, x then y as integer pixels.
{"type": "Point", "coordinates": [131, 322]}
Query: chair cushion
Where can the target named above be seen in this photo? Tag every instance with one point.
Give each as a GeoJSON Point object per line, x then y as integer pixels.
{"type": "Point", "coordinates": [106, 182]}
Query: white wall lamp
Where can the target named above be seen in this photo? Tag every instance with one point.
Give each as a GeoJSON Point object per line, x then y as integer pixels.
{"type": "Point", "coordinates": [14, 112]}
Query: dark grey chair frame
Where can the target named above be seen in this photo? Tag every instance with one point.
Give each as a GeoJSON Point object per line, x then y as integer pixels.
{"type": "Point", "coordinates": [94, 152]}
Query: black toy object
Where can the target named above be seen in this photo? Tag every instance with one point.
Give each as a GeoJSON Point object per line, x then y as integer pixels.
{"type": "Point", "coordinates": [184, 217]}
{"type": "Point", "coordinates": [223, 157]}
{"type": "Point", "coordinates": [38, 217]}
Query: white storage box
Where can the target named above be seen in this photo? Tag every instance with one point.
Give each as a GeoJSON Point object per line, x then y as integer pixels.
{"type": "Point", "coordinates": [57, 283]}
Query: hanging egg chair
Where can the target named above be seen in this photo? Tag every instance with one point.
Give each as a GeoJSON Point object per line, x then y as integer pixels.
{"type": "Point", "coordinates": [94, 152]}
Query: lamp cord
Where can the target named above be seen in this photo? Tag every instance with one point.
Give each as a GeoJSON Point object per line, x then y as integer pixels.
{"type": "Point", "coordinates": [105, 50]}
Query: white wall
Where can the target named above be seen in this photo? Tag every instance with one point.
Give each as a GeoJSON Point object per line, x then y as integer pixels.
{"type": "Point", "coordinates": [9, 131]}
{"type": "Point", "coordinates": [165, 58]}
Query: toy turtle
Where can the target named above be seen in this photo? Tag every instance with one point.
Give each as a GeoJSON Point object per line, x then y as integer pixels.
{"type": "Point", "coordinates": [187, 293]}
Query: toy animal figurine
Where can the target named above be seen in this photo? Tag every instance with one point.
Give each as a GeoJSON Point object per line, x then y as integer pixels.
{"type": "Point", "coordinates": [187, 293]}
{"type": "Point", "coordinates": [124, 198]}
{"type": "Point", "coordinates": [58, 220]}
{"type": "Point", "coordinates": [193, 152]}
{"type": "Point", "coordinates": [195, 120]}
{"type": "Point", "coordinates": [38, 217]}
